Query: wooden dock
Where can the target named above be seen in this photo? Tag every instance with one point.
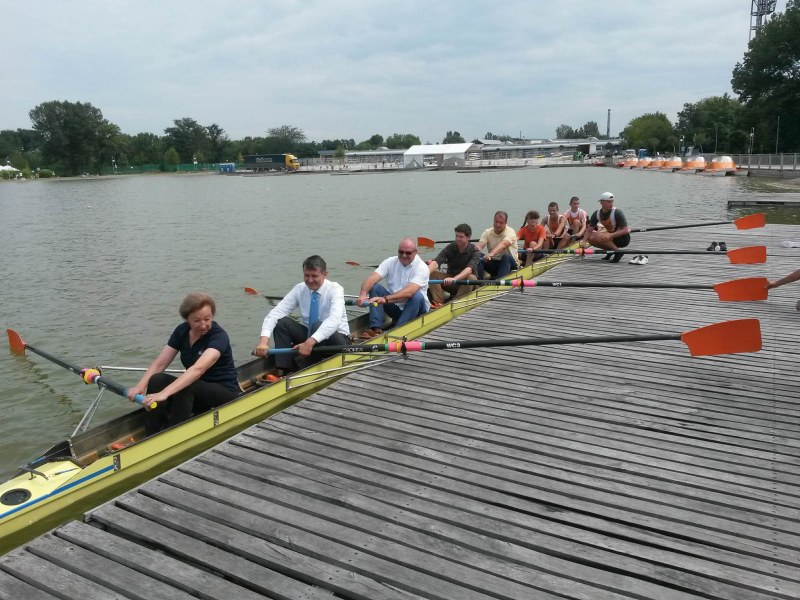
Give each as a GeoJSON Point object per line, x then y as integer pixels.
{"type": "Point", "coordinates": [577, 471]}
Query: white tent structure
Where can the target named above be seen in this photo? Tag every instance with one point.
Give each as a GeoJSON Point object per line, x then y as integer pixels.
{"type": "Point", "coordinates": [438, 155]}
{"type": "Point", "coordinates": [8, 169]}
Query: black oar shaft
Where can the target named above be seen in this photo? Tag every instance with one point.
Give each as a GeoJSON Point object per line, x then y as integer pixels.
{"type": "Point", "coordinates": [416, 346]}
{"type": "Point", "coordinates": [576, 284]}
{"type": "Point", "coordinates": [664, 227]}
{"type": "Point", "coordinates": [70, 367]}
{"type": "Point", "coordinates": [99, 380]}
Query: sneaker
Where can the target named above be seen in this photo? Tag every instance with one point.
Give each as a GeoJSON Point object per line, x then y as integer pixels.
{"type": "Point", "coordinates": [635, 260]}
{"type": "Point", "coordinates": [435, 305]}
{"type": "Point", "coordinates": [271, 378]}
{"type": "Point", "coordinates": [642, 260]}
{"type": "Point", "coordinates": [370, 333]}
{"type": "Point", "coordinates": [608, 256]}
{"type": "Point", "coordinates": [617, 257]}
{"type": "Point", "coordinates": [723, 247]}
{"type": "Point", "coordinates": [712, 247]}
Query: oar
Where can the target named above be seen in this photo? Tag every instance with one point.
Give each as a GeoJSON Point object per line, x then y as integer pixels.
{"type": "Point", "coordinates": [749, 255]}
{"type": "Point", "coordinates": [353, 263]}
{"type": "Point", "coordinates": [88, 375]}
{"type": "Point", "coordinates": [747, 222]}
{"type": "Point", "coordinates": [727, 337]}
{"type": "Point", "coordinates": [736, 290]}
{"type": "Point", "coordinates": [425, 242]}
{"type": "Point", "coordinates": [349, 299]}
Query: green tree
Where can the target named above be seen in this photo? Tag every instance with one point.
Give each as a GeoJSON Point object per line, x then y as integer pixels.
{"type": "Point", "coordinates": [74, 134]}
{"type": "Point", "coordinates": [217, 143]}
{"type": "Point", "coordinates": [565, 132]}
{"type": "Point", "coordinates": [715, 122]}
{"type": "Point", "coordinates": [652, 131]}
{"type": "Point", "coordinates": [453, 137]}
{"type": "Point", "coordinates": [172, 159]}
{"type": "Point", "coordinates": [768, 82]}
{"type": "Point", "coordinates": [188, 138]}
{"type": "Point", "coordinates": [589, 129]}
{"type": "Point", "coordinates": [404, 141]}
{"type": "Point", "coordinates": [143, 149]}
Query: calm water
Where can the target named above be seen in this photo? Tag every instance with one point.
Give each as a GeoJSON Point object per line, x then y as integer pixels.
{"type": "Point", "coordinates": [93, 270]}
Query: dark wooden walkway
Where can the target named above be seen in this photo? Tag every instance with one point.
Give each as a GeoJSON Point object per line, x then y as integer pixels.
{"type": "Point", "coordinates": [580, 471]}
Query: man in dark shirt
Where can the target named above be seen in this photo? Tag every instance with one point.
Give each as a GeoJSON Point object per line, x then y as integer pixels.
{"type": "Point", "coordinates": [615, 233]}
{"type": "Point", "coordinates": [462, 258]}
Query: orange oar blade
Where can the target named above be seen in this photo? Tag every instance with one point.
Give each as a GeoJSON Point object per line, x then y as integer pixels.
{"type": "Point", "coordinates": [749, 255]}
{"type": "Point", "coordinates": [353, 263]}
{"type": "Point", "coordinates": [250, 291]}
{"type": "Point", "coordinates": [15, 342]}
{"type": "Point", "coordinates": [424, 242]}
{"type": "Point", "coordinates": [727, 337]}
{"type": "Point", "coordinates": [751, 221]}
{"type": "Point", "coordinates": [742, 290]}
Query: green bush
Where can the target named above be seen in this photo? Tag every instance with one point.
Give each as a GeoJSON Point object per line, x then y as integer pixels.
{"type": "Point", "coordinates": [46, 173]}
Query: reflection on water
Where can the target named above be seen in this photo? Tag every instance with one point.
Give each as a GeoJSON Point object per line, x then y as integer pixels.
{"type": "Point", "coordinates": [93, 270]}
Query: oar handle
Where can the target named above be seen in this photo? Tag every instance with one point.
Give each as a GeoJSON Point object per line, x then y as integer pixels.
{"type": "Point", "coordinates": [94, 376]}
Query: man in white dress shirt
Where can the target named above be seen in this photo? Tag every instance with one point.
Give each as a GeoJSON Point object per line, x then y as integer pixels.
{"type": "Point", "coordinates": [405, 296]}
{"type": "Point", "coordinates": [322, 314]}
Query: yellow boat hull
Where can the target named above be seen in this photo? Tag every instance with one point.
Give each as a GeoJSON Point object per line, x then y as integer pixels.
{"type": "Point", "coordinates": [62, 489]}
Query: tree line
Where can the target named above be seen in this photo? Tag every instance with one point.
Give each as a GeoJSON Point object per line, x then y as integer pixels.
{"type": "Point", "coordinates": [71, 138]}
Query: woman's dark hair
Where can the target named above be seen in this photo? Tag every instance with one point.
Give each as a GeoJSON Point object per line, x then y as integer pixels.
{"type": "Point", "coordinates": [196, 301]}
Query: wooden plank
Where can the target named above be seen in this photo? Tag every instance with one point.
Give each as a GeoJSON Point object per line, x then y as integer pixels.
{"type": "Point", "coordinates": [482, 491]}
{"type": "Point", "coordinates": [572, 560]}
{"type": "Point", "coordinates": [13, 588]}
{"type": "Point", "coordinates": [248, 560]}
{"type": "Point", "coordinates": [178, 574]}
{"type": "Point", "coordinates": [365, 552]}
{"type": "Point", "coordinates": [54, 579]}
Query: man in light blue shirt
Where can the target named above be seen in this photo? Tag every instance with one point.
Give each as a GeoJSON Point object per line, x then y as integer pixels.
{"type": "Point", "coordinates": [323, 319]}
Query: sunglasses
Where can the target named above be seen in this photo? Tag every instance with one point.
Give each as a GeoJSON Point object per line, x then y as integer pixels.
{"type": "Point", "coordinates": [406, 252]}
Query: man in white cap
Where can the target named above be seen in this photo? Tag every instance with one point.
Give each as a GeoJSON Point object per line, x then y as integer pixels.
{"type": "Point", "coordinates": [615, 233]}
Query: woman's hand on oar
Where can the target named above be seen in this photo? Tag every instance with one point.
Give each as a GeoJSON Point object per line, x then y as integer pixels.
{"type": "Point", "coordinates": [727, 337]}
{"type": "Point", "coordinates": [736, 290]}
{"type": "Point", "coordinates": [747, 222]}
{"type": "Point", "coordinates": [89, 375]}
{"type": "Point", "coordinates": [749, 255]}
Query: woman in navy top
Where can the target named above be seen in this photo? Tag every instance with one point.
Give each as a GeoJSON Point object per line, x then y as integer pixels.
{"type": "Point", "coordinates": [210, 376]}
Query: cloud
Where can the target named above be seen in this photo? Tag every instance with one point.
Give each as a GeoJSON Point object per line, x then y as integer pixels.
{"type": "Point", "coordinates": [351, 69]}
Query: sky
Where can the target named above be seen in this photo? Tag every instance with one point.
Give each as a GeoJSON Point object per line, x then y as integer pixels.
{"type": "Point", "coordinates": [350, 69]}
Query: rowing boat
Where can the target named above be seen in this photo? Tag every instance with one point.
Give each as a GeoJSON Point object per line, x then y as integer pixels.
{"type": "Point", "coordinates": [104, 461]}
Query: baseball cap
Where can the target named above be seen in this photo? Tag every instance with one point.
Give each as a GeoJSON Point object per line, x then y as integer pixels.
{"type": "Point", "coordinates": [606, 196]}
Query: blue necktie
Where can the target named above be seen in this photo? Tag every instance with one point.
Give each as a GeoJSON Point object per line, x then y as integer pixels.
{"type": "Point", "coordinates": [313, 311]}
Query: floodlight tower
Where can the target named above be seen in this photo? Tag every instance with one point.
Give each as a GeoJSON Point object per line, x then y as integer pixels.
{"type": "Point", "coordinates": [760, 10]}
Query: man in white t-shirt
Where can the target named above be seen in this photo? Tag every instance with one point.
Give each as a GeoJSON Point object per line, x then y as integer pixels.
{"type": "Point", "coordinates": [405, 296]}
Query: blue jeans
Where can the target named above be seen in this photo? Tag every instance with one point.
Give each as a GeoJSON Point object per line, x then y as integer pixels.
{"type": "Point", "coordinates": [496, 268]}
{"type": "Point", "coordinates": [415, 306]}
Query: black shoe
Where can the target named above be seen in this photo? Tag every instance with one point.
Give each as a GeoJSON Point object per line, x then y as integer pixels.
{"type": "Point", "coordinates": [617, 257]}
{"type": "Point", "coordinates": [608, 256]}
{"type": "Point", "coordinates": [723, 247]}
{"type": "Point", "coordinates": [712, 247]}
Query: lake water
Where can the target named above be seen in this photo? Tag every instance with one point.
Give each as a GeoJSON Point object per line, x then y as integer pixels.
{"type": "Point", "coordinates": [93, 270]}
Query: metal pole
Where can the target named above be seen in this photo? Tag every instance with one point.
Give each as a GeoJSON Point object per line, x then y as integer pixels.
{"type": "Point", "coordinates": [777, 133]}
